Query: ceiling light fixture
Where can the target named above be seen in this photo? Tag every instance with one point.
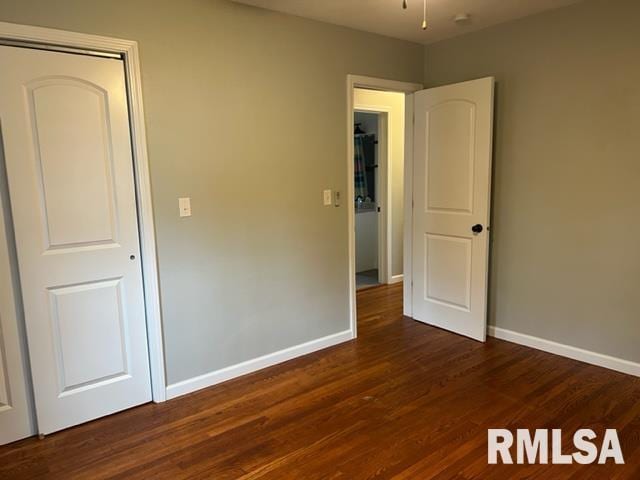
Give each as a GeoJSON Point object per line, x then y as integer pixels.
{"type": "Point", "coordinates": [424, 12]}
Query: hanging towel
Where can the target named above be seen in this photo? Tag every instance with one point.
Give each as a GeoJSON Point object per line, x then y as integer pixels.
{"type": "Point", "coordinates": [360, 174]}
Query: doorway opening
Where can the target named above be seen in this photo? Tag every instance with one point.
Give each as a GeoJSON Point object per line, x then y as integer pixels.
{"type": "Point", "coordinates": [376, 129]}
{"type": "Point", "coordinates": [445, 194]}
{"type": "Point", "coordinates": [368, 163]}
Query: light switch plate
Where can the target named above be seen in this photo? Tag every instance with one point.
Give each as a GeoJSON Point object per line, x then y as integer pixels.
{"type": "Point", "coordinates": [185, 206]}
{"type": "Point", "coordinates": [326, 196]}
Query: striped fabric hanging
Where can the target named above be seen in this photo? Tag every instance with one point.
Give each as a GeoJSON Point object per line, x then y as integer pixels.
{"type": "Point", "coordinates": [360, 175]}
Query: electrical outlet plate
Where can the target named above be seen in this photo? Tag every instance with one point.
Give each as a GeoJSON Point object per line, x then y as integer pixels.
{"type": "Point", "coordinates": [184, 204]}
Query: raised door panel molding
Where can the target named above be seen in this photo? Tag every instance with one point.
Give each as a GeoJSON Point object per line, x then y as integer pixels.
{"type": "Point", "coordinates": [450, 161]}
{"type": "Point", "coordinates": [63, 109]}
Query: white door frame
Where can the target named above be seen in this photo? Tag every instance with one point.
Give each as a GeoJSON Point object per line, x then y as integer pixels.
{"type": "Point", "coordinates": [384, 189]}
{"type": "Point", "coordinates": [128, 51]}
{"type": "Point", "coordinates": [371, 83]}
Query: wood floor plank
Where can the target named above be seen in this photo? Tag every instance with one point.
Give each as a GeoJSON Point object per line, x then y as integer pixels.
{"type": "Point", "coordinates": [403, 401]}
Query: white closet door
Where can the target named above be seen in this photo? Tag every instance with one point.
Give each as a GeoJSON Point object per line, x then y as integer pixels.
{"type": "Point", "coordinates": [452, 136]}
{"type": "Point", "coordinates": [69, 162]}
{"type": "Point", "coordinates": [15, 413]}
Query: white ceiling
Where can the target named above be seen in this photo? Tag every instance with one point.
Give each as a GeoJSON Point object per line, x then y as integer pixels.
{"type": "Point", "coordinates": [386, 17]}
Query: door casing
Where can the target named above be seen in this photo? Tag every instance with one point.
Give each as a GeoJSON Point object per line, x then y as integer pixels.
{"type": "Point", "coordinates": [15, 34]}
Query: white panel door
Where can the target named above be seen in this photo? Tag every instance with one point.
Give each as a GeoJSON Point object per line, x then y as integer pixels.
{"type": "Point", "coordinates": [68, 153]}
{"type": "Point", "coordinates": [452, 135]}
{"type": "Point", "coordinates": [16, 420]}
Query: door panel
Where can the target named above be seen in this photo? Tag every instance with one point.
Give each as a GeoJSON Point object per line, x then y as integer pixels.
{"type": "Point", "coordinates": [16, 419]}
{"type": "Point", "coordinates": [452, 170]}
{"type": "Point", "coordinates": [448, 270]}
{"type": "Point", "coordinates": [62, 110]}
{"type": "Point", "coordinates": [89, 333]}
{"type": "Point", "coordinates": [70, 172]}
{"type": "Point", "coordinates": [449, 170]}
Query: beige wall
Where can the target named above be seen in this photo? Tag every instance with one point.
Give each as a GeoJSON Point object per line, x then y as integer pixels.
{"type": "Point", "coordinates": [394, 102]}
{"type": "Point", "coordinates": [261, 265]}
{"type": "Point", "coordinates": [566, 237]}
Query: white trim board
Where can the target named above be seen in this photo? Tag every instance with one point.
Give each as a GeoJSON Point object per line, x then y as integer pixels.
{"type": "Point", "coordinates": [359, 81]}
{"type": "Point", "coordinates": [407, 252]}
{"type": "Point", "coordinates": [587, 356]}
{"type": "Point", "coordinates": [218, 376]}
{"type": "Point", "coordinates": [128, 49]}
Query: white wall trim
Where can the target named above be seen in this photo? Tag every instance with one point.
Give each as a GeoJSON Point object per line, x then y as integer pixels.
{"type": "Point", "coordinates": [587, 356]}
{"type": "Point", "coordinates": [396, 278]}
{"type": "Point", "coordinates": [407, 255]}
{"type": "Point", "coordinates": [209, 379]}
{"type": "Point", "coordinates": [128, 49]}
{"type": "Point", "coordinates": [359, 81]}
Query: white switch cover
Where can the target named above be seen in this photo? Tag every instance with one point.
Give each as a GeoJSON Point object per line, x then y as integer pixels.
{"type": "Point", "coordinates": [185, 207]}
{"type": "Point", "coordinates": [326, 195]}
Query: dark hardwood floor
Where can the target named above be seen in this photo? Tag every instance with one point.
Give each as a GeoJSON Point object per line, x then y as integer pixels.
{"type": "Point", "coordinates": [404, 401]}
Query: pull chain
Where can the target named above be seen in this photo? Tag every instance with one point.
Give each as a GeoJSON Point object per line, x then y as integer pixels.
{"type": "Point", "coordinates": [424, 15]}
{"type": "Point", "coordinates": [424, 12]}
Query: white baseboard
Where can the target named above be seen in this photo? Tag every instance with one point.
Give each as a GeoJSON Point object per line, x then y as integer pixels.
{"type": "Point", "coordinates": [613, 363]}
{"type": "Point", "coordinates": [212, 378]}
{"type": "Point", "coordinates": [396, 279]}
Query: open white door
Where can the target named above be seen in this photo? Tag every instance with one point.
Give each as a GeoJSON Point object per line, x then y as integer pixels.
{"type": "Point", "coordinates": [452, 151]}
{"type": "Point", "coordinates": [67, 144]}
{"type": "Point", "coordinates": [16, 421]}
